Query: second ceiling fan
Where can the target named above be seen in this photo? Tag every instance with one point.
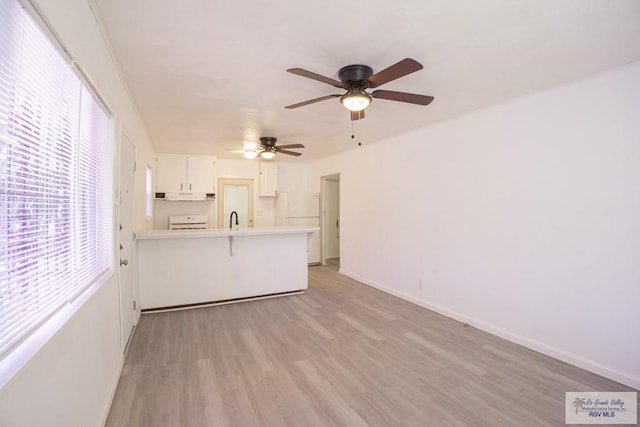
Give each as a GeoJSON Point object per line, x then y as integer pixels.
{"type": "Point", "coordinates": [356, 79]}
{"type": "Point", "coordinates": [267, 148]}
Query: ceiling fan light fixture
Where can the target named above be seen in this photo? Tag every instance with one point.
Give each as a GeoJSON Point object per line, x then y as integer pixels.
{"type": "Point", "coordinates": [267, 154]}
{"type": "Point", "coordinates": [250, 146]}
{"type": "Point", "coordinates": [250, 154]}
{"type": "Point", "coordinates": [355, 100]}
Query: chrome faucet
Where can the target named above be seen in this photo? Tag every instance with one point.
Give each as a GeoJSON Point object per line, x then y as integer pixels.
{"type": "Point", "coordinates": [231, 219]}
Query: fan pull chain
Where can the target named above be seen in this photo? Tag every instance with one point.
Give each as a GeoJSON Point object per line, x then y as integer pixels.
{"type": "Point", "coordinates": [353, 136]}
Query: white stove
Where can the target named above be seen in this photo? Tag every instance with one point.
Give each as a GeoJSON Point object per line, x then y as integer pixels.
{"type": "Point", "coordinates": [188, 222]}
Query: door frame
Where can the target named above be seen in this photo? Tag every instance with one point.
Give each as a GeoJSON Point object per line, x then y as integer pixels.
{"type": "Point", "coordinates": [323, 213]}
{"type": "Point", "coordinates": [235, 181]}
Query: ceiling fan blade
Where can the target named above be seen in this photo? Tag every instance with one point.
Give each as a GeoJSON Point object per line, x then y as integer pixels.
{"type": "Point", "coordinates": [290, 146]}
{"type": "Point", "coordinates": [312, 101]}
{"type": "Point", "coordinates": [397, 70]}
{"type": "Point", "coordinates": [314, 76]}
{"type": "Point", "coordinates": [412, 98]}
{"type": "Point", "coordinates": [357, 115]}
{"type": "Point", "coordinates": [290, 153]}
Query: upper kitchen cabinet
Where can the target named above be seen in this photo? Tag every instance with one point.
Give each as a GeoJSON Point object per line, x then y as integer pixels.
{"type": "Point", "coordinates": [268, 182]}
{"type": "Point", "coordinates": [180, 173]}
{"type": "Point", "coordinates": [201, 174]}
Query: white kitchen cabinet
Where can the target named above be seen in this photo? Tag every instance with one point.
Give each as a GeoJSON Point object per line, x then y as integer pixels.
{"type": "Point", "coordinates": [201, 176]}
{"type": "Point", "coordinates": [180, 173]}
{"type": "Point", "coordinates": [268, 182]}
{"type": "Point", "coordinates": [171, 172]}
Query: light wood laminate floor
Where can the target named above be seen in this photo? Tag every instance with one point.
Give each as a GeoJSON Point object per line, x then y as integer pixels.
{"type": "Point", "coordinates": [343, 354]}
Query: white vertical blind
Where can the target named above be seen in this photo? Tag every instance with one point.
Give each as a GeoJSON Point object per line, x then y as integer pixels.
{"type": "Point", "coordinates": [56, 167]}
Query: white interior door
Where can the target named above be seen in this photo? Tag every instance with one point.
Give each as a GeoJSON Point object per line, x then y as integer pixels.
{"type": "Point", "coordinates": [330, 224]}
{"type": "Point", "coordinates": [125, 238]}
{"type": "Point", "coordinates": [332, 207]}
{"type": "Point", "coordinates": [235, 195]}
{"type": "Point", "coordinates": [236, 200]}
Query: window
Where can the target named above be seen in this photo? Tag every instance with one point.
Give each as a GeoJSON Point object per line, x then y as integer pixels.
{"type": "Point", "coordinates": [56, 182]}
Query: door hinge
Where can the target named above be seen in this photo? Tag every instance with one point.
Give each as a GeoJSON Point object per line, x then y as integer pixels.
{"type": "Point", "coordinates": [135, 166]}
{"type": "Point", "coordinates": [134, 305]}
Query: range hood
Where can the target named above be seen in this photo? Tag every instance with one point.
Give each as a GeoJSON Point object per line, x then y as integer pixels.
{"type": "Point", "coordinates": [189, 197]}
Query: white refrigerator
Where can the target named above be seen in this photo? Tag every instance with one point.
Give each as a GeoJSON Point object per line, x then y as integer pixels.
{"type": "Point", "coordinates": [301, 208]}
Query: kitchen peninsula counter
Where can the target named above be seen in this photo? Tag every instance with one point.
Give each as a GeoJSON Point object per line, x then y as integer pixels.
{"type": "Point", "coordinates": [178, 269]}
{"type": "Point", "coordinates": [223, 232]}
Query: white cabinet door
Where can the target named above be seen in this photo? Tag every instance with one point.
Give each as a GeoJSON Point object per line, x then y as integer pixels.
{"type": "Point", "coordinates": [268, 182]}
{"type": "Point", "coordinates": [179, 173]}
{"type": "Point", "coordinates": [201, 174]}
{"type": "Point", "coordinates": [171, 173]}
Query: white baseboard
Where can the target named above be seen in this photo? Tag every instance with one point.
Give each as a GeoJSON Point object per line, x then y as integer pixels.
{"type": "Point", "coordinates": [572, 359]}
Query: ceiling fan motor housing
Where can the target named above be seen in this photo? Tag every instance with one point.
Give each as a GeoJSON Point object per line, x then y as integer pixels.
{"type": "Point", "coordinates": [268, 141]}
{"type": "Point", "coordinates": [356, 74]}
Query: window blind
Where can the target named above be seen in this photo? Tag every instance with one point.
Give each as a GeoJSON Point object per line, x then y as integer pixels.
{"type": "Point", "coordinates": [56, 165]}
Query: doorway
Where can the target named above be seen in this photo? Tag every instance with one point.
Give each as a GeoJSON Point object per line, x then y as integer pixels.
{"type": "Point", "coordinates": [125, 239]}
{"type": "Point", "coordinates": [330, 223]}
{"type": "Point", "coordinates": [235, 195]}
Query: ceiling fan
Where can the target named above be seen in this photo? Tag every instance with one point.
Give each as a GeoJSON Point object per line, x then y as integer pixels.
{"type": "Point", "coordinates": [267, 148]}
{"type": "Point", "coordinates": [357, 78]}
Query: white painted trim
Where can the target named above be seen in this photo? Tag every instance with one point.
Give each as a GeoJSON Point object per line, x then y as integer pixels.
{"type": "Point", "coordinates": [570, 358]}
{"type": "Point", "coordinates": [323, 217]}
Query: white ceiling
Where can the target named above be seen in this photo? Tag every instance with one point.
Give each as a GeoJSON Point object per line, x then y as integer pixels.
{"type": "Point", "coordinates": [207, 74]}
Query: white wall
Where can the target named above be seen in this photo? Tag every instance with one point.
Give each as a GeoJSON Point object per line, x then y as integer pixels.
{"type": "Point", "coordinates": [292, 177]}
{"type": "Point", "coordinates": [522, 219]}
{"type": "Point", "coordinates": [71, 379]}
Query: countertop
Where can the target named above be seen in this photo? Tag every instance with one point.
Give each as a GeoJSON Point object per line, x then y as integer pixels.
{"type": "Point", "coordinates": [222, 232]}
